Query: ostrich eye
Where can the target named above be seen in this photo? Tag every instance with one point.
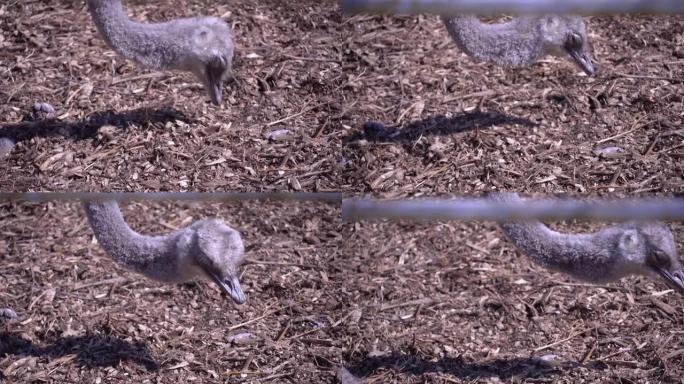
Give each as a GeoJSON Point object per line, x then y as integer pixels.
{"type": "Point", "coordinates": [221, 60]}
{"type": "Point", "coordinates": [574, 41]}
{"type": "Point", "coordinates": [661, 259]}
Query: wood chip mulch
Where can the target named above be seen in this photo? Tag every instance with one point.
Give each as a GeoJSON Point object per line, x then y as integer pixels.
{"type": "Point", "coordinates": [118, 127]}
{"type": "Point", "coordinates": [388, 302]}
{"type": "Point", "coordinates": [374, 105]}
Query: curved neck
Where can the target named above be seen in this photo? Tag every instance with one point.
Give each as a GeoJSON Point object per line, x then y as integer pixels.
{"type": "Point", "coordinates": [147, 44]}
{"type": "Point", "coordinates": [153, 256]}
{"type": "Point", "coordinates": [584, 256]}
{"type": "Point", "coordinates": [515, 43]}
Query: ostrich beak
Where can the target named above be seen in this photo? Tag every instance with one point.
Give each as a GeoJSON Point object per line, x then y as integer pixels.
{"type": "Point", "coordinates": [675, 280]}
{"type": "Point", "coordinates": [230, 286]}
{"type": "Point", "coordinates": [583, 61]}
{"type": "Point", "coordinates": [215, 92]}
{"type": "Point", "coordinates": [215, 71]}
{"type": "Point", "coordinates": [214, 89]}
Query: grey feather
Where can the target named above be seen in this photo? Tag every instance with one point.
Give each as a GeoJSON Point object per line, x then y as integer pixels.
{"type": "Point", "coordinates": [203, 249]}
{"type": "Point", "coordinates": [641, 248]}
{"type": "Point", "coordinates": [521, 41]}
{"type": "Point", "coordinates": [201, 45]}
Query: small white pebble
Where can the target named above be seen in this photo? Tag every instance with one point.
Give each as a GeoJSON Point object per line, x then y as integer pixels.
{"type": "Point", "coordinates": [548, 360]}
{"type": "Point", "coordinates": [279, 135]}
{"type": "Point", "coordinates": [43, 107]}
{"type": "Point", "coordinates": [242, 338]}
{"type": "Point", "coordinates": [609, 152]}
{"type": "Point", "coordinates": [7, 315]}
{"type": "Point", "coordinates": [346, 377]}
{"type": "Point", "coordinates": [6, 146]}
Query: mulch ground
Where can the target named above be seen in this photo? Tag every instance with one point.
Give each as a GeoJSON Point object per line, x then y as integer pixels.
{"type": "Point", "coordinates": [123, 128]}
{"type": "Point", "coordinates": [448, 124]}
{"type": "Point", "coordinates": [390, 302]}
{"type": "Point", "coordinates": [83, 318]}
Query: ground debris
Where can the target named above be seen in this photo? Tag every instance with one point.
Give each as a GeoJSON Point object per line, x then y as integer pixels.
{"type": "Point", "coordinates": [345, 377]}
{"type": "Point", "coordinates": [7, 315]}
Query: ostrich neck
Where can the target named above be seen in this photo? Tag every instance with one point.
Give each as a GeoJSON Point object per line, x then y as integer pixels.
{"type": "Point", "coordinates": [512, 44]}
{"type": "Point", "coordinates": [583, 256]}
{"type": "Point", "coordinates": [154, 256]}
{"type": "Point", "coordinates": [152, 45]}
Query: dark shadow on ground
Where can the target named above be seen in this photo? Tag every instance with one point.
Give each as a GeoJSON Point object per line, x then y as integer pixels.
{"type": "Point", "coordinates": [436, 125]}
{"type": "Point", "coordinates": [91, 350]}
{"type": "Point", "coordinates": [504, 369]}
{"type": "Point", "coordinates": [88, 127]}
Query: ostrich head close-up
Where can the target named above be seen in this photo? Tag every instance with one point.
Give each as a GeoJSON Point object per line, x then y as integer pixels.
{"type": "Point", "coordinates": [566, 36]}
{"type": "Point", "coordinates": [211, 55]}
{"type": "Point", "coordinates": [218, 252]}
{"type": "Point", "coordinates": [649, 249]}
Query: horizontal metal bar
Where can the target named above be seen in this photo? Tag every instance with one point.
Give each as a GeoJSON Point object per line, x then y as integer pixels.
{"type": "Point", "coordinates": [210, 197]}
{"type": "Point", "coordinates": [453, 7]}
{"type": "Point", "coordinates": [490, 210]}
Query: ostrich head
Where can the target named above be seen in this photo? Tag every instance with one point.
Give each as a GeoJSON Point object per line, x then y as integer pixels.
{"type": "Point", "coordinates": [212, 60]}
{"type": "Point", "coordinates": [218, 254]}
{"type": "Point", "coordinates": [567, 36]}
{"type": "Point", "coordinates": [650, 249]}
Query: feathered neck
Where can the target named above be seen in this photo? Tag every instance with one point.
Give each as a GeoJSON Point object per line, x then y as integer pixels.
{"type": "Point", "coordinates": [512, 44]}
{"type": "Point", "coordinates": [154, 256]}
{"type": "Point", "coordinates": [152, 45]}
{"type": "Point", "coordinates": [584, 256]}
